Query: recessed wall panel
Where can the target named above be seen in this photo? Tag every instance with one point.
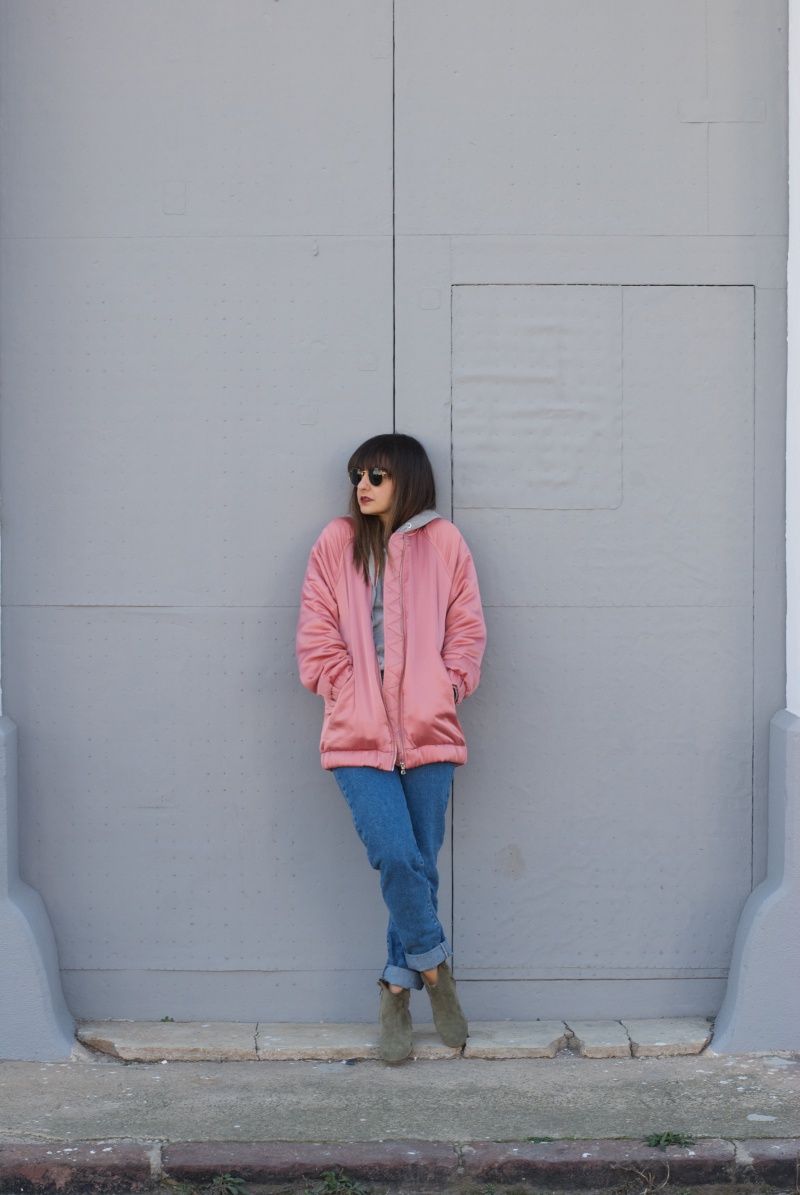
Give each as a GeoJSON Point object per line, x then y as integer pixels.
{"type": "Point", "coordinates": [682, 533]}
{"type": "Point", "coordinates": [537, 397]}
{"type": "Point", "coordinates": [607, 803]}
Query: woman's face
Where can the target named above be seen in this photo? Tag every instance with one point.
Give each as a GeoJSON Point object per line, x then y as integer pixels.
{"type": "Point", "coordinates": [375, 499]}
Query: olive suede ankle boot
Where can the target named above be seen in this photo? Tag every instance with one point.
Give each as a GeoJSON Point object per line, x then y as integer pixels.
{"type": "Point", "coordinates": [395, 1044]}
{"type": "Point", "coordinates": [450, 1022]}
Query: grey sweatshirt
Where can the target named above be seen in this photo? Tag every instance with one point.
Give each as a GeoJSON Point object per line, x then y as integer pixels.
{"type": "Point", "coordinates": [425, 516]}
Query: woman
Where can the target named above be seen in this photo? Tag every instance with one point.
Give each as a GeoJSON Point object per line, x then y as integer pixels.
{"type": "Point", "coordinates": [391, 635]}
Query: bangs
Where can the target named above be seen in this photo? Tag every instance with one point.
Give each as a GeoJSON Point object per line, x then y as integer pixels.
{"type": "Point", "coordinates": [373, 454]}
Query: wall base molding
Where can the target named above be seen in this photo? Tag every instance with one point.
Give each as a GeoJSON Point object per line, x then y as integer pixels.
{"type": "Point", "coordinates": [761, 1010]}
{"type": "Point", "coordinates": [35, 1023]}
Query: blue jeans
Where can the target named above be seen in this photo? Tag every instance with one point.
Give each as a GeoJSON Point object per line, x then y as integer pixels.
{"type": "Point", "coordinates": [401, 821]}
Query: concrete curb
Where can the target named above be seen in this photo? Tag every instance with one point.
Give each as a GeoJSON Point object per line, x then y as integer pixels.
{"type": "Point", "coordinates": [99, 1167]}
{"type": "Point", "coordinates": [89, 1166]}
{"type": "Point", "coordinates": [592, 1164]}
{"type": "Point", "coordinates": [422, 1164]}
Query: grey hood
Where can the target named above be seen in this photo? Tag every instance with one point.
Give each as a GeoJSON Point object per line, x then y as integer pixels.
{"type": "Point", "coordinates": [424, 516]}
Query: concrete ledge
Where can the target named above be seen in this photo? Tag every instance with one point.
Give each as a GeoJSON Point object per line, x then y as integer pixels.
{"type": "Point", "coordinates": [774, 1162]}
{"type": "Point", "coordinates": [196, 1041]}
{"type": "Point", "coordinates": [181, 1041]}
{"type": "Point", "coordinates": [329, 1043]}
{"type": "Point", "coordinates": [422, 1163]}
{"type": "Point", "coordinates": [516, 1039]}
{"type": "Point", "coordinates": [574, 1165]}
{"type": "Point", "coordinates": [600, 1039]}
{"type": "Point", "coordinates": [669, 1037]}
{"type": "Point", "coordinates": [427, 1044]}
{"type": "Point", "coordinates": [93, 1166]}
{"type": "Point", "coordinates": [337, 1043]}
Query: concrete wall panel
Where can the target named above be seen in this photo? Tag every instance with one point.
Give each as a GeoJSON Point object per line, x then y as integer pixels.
{"type": "Point", "coordinates": [338, 996]}
{"type": "Point", "coordinates": [549, 117]}
{"type": "Point", "coordinates": [527, 999]}
{"type": "Point", "coordinates": [625, 260]}
{"type": "Point", "coordinates": [769, 582]}
{"type": "Point", "coordinates": [621, 675]}
{"type": "Point", "coordinates": [603, 819]}
{"type": "Point", "coordinates": [747, 129]}
{"type": "Point", "coordinates": [179, 412]}
{"type": "Point", "coordinates": [169, 759]}
{"type": "Point", "coordinates": [197, 118]}
{"type": "Point", "coordinates": [687, 447]}
{"type": "Point", "coordinates": [423, 369]}
{"type": "Point", "coordinates": [742, 196]}
{"type": "Point", "coordinates": [197, 228]}
{"type": "Point", "coordinates": [202, 313]}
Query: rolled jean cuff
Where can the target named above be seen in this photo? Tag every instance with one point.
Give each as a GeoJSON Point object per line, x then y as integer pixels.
{"type": "Point", "coordinates": [402, 978]}
{"type": "Point", "coordinates": [426, 962]}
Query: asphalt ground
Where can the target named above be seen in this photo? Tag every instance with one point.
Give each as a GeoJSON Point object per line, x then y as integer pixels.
{"type": "Point", "coordinates": [63, 1121]}
{"type": "Point", "coordinates": [448, 1100]}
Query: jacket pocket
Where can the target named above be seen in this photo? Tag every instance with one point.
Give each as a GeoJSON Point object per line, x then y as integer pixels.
{"type": "Point", "coordinates": [431, 717]}
{"type": "Point", "coordinates": [352, 721]}
{"type": "Point", "coordinates": [335, 693]}
{"type": "Point", "coordinates": [336, 715]}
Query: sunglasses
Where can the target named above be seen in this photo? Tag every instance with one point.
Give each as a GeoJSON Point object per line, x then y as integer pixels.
{"type": "Point", "coordinates": [375, 476]}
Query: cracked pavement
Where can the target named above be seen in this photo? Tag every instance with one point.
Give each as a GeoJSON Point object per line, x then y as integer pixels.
{"type": "Point", "coordinates": [461, 1099]}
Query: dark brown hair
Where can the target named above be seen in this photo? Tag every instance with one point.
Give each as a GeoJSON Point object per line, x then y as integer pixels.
{"type": "Point", "coordinates": [406, 462]}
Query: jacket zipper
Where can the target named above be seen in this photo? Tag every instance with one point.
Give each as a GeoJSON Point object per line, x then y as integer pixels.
{"type": "Point", "coordinates": [385, 710]}
{"type": "Point", "coordinates": [402, 674]}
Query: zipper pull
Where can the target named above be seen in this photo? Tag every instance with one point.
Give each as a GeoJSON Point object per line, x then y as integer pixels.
{"type": "Point", "coordinates": [402, 769]}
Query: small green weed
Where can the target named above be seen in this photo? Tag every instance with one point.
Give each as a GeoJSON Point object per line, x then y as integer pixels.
{"type": "Point", "coordinates": [538, 1140]}
{"type": "Point", "coordinates": [662, 1140]}
{"type": "Point", "coordinates": [167, 1018]}
{"type": "Point", "coordinates": [332, 1183]}
{"type": "Point", "coordinates": [226, 1184]}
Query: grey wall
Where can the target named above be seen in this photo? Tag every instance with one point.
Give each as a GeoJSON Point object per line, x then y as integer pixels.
{"type": "Point", "coordinates": [207, 268]}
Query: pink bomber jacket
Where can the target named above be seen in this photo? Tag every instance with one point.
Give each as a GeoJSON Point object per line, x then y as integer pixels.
{"type": "Point", "coordinates": [434, 637]}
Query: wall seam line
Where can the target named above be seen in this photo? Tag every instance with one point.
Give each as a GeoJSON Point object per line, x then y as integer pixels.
{"type": "Point", "coordinates": [394, 236]}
